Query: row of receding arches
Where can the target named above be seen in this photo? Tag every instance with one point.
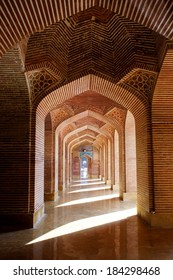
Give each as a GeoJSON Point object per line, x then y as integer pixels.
{"type": "Point", "coordinates": [143, 134]}
{"type": "Point", "coordinates": [153, 140]}
{"type": "Point", "coordinates": [154, 134]}
{"type": "Point", "coordinates": [115, 167]}
{"type": "Point", "coordinates": [67, 161]}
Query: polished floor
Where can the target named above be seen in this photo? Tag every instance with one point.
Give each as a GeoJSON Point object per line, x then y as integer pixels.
{"type": "Point", "coordinates": [88, 222]}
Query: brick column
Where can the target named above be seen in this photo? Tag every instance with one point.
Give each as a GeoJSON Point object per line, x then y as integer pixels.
{"type": "Point", "coordinates": [60, 163]}
{"type": "Point", "coordinates": [112, 164]}
{"type": "Point", "coordinates": [65, 163]}
{"type": "Point", "coordinates": [122, 168]}
{"type": "Point", "coordinates": [162, 130]}
{"type": "Point", "coordinates": [116, 148]}
{"type": "Point", "coordinates": [100, 163]}
{"type": "Point", "coordinates": [106, 162]}
{"type": "Point", "coordinates": [130, 156]}
{"type": "Point", "coordinates": [15, 200]}
{"type": "Point", "coordinates": [68, 166]}
{"type": "Point", "coordinates": [49, 167]}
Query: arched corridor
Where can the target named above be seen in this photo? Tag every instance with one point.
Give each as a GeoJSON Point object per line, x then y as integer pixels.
{"type": "Point", "coordinates": [86, 94]}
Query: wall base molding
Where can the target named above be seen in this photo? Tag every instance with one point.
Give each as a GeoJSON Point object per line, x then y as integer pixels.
{"type": "Point", "coordinates": [51, 196]}
{"type": "Point", "coordinates": [129, 196]}
{"type": "Point", "coordinates": [21, 220]}
{"type": "Point", "coordinates": [108, 182]}
{"type": "Point", "coordinates": [164, 220]}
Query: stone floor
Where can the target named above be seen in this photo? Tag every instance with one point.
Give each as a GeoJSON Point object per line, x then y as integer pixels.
{"type": "Point", "coordinates": [89, 222]}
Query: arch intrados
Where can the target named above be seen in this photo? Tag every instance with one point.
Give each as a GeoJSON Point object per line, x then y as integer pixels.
{"type": "Point", "coordinates": [93, 83]}
{"type": "Point", "coordinates": [87, 113]}
{"type": "Point", "coordinates": [76, 144]}
{"type": "Point", "coordinates": [78, 140]}
{"type": "Point", "coordinates": [69, 145]}
{"type": "Point", "coordinates": [79, 137]}
{"type": "Point", "coordinates": [92, 128]}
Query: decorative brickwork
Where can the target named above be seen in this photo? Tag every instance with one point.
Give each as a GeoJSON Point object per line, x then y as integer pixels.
{"type": "Point", "coordinates": [162, 119]}
{"type": "Point", "coordinates": [39, 81]}
{"type": "Point", "coordinates": [117, 115]}
{"type": "Point", "coordinates": [143, 81]}
{"type": "Point", "coordinates": [157, 16]}
{"type": "Point", "coordinates": [58, 116]}
{"type": "Point", "coordinates": [76, 69]}
{"type": "Point", "coordinates": [109, 128]}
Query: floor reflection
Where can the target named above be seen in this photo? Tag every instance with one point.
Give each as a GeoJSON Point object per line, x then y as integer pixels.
{"type": "Point", "coordinates": [99, 229]}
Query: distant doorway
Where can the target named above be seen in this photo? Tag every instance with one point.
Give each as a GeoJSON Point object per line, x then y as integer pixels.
{"type": "Point", "coordinates": [84, 168]}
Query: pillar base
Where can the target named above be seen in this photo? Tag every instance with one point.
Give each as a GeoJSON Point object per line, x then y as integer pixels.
{"type": "Point", "coordinates": [60, 188]}
{"type": "Point", "coordinates": [51, 196]}
{"type": "Point", "coordinates": [115, 188]}
{"type": "Point", "coordinates": [21, 220]}
{"type": "Point", "coordinates": [104, 179]}
{"type": "Point", "coordinates": [108, 182]}
{"type": "Point", "coordinates": [156, 219]}
{"type": "Point", "coordinates": [129, 196]}
{"type": "Point", "coordinates": [94, 177]}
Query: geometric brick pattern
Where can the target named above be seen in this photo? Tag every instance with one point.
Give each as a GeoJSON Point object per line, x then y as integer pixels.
{"type": "Point", "coordinates": [103, 56]}
{"type": "Point", "coordinates": [39, 81]}
{"type": "Point", "coordinates": [90, 101]}
{"type": "Point", "coordinates": [116, 94]}
{"type": "Point", "coordinates": [143, 81]}
{"type": "Point", "coordinates": [109, 128]}
{"type": "Point", "coordinates": [98, 50]}
{"type": "Point", "coordinates": [58, 115]}
{"type": "Point", "coordinates": [89, 120]}
{"type": "Point", "coordinates": [117, 115]}
{"type": "Point", "coordinates": [32, 16]}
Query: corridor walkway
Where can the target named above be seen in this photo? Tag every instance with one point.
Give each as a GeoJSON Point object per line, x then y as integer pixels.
{"type": "Point", "coordinates": [88, 221]}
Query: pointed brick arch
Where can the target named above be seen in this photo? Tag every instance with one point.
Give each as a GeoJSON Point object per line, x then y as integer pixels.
{"type": "Point", "coordinates": [96, 84]}
{"type": "Point", "coordinates": [90, 127]}
{"type": "Point", "coordinates": [86, 113]}
{"type": "Point", "coordinates": [72, 146]}
{"type": "Point", "coordinates": [60, 155]}
{"type": "Point", "coordinates": [130, 100]}
{"type": "Point", "coordinates": [78, 140]}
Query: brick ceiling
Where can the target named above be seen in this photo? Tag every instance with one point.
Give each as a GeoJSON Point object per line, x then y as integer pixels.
{"type": "Point", "coordinates": [108, 48]}
{"type": "Point", "coordinates": [22, 18]}
{"type": "Point", "coordinates": [88, 106]}
{"type": "Point", "coordinates": [121, 41]}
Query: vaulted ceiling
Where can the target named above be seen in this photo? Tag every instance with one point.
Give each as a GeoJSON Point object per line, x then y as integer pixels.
{"type": "Point", "coordinates": [121, 41]}
{"type": "Point", "coordinates": [23, 18]}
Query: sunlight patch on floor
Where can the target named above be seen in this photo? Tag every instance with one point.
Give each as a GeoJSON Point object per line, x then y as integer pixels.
{"type": "Point", "coordinates": [86, 180]}
{"type": "Point", "coordinates": [87, 184]}
{"type": "Point", "coordinates": [90, 189]}
{"type": "Point", "coordinates": [86, 223]}
{"type": "Point", "coordinates": [88, 200]}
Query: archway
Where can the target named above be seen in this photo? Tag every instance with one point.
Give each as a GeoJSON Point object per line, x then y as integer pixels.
{"type": "Point", "coordinates": [142, 128]}
{"type": "Point", "coordinates": [125, 92]}
{"type": "Point", "coordinates": [84, 168]}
